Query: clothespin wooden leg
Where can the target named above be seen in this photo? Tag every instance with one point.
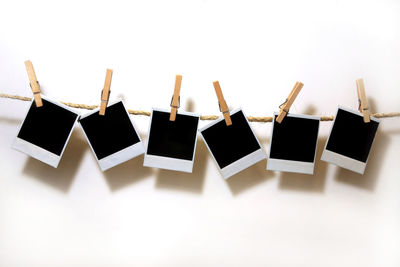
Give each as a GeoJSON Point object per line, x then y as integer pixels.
{"type": "Point", "coordinates": [284, 108]}
{"type": "Point", "coordinates": [105, 93]}
{"type": "Point", "coordinates": [34, 83]}
{"type": "Point", "coordinates": [222, 104]}
{"type": "Point", "coordinates": [175, 98]}
{"type": "Point", "coordinates": [363, 103]}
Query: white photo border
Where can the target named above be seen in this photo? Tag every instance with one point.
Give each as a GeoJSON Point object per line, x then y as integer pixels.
{"type": "Point", "coordinates": [275, 164]}
{"type": "Point", "coordinates": [37, 152]}
{"type": "Point", "coordinates": [242, 163]}
{"type": "Point", "coordinates": [124, 154]}
{"type": "Point", "coordinates": [169, 163]}
{"type": "Point", "coordinates": [341, 160]}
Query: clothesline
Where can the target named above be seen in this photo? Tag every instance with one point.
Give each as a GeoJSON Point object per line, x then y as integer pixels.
{"type": "Point", "coordinates": [202, 117]}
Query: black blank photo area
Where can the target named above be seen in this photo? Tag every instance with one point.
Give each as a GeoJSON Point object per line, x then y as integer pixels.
{"type": "Point", "coordinates": [231, 143]}
{"type": "Point", "coordinates": [173, 139]}
{"type": "Point", "coordinates": [351, 136]}
{"type": "Point", "coordinates": [294, 139]}
{"type": "Point", "coordinates": [47, 126]}
{"type": "Point", "coordinates": [111, 132]}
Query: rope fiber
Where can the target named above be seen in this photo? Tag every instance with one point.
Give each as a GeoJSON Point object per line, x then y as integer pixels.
{"type": "Point", "coordinates": [202, 117]}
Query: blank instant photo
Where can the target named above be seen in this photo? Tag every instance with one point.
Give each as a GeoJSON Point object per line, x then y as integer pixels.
{"type": "Point", "coordinates": [234, 147]}
{"type": "Point", "coordinates": [112, 137]}
{"type": "Point", "coordinates": [350, 140]}
{"type": "Point", "coordinates": [293, 144]}
{"type": "Point", "coordinates": [45, 131]}
{"type": "Point", "coordinates": [172, 144]}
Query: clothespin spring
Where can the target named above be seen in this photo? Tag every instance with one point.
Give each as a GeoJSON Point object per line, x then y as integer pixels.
{"type": "Point", "coordinates": [359, 106]}
{"type": "Point", "coordinates": [101, 96]}
{"type": "Point", "coordinates": [179, 102]}
{"type": "Point", "coordinates": [223, 112]}
{"type": "Point", "coordinates": [280, 106]}
{"type": "Point", "coordinates": [37, 92]}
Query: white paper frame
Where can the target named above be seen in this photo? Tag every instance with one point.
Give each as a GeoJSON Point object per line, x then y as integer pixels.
{"type": "Point", "coordinates": [169, 163]}
{"type": "Point", "coordinates": [121, 156]}
{"type": "Point", "coordinates": [240, 164]}
{"type": "Point", "coordinates": [274, 164]}
{"type": "Point", "coordinates": [37, 152]}
{"type": "Point", "coordinates": [341, 160]}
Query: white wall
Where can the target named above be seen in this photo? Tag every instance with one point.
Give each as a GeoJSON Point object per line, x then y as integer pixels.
{"type": "Point", "coordinates": [78, 216]}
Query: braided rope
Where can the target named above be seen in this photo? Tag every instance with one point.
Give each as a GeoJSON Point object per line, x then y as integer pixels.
{"type": "Point", "coordinates": [202, 117]}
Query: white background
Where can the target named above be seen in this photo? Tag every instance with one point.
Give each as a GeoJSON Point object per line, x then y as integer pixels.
{"type": "Point", "coordinates": [131, 215]}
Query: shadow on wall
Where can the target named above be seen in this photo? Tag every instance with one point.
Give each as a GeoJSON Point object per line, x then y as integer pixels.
{"type": "Point", "coordinates": [306, 182]}
{"type": "Point", "coordinates": [189, 182]}
{"type": "Point", "coordinates": [127, 173]}
{"type": "Point", "coordinates": [61, 177]}
{"type": "Point", "coordinates": [133, 171]}
{"type": "Point", "coordinates": [249, 178]}
{"type": "Point", "coordinates": [252, 176]}
{"type": "Point", "coordinates": [367, 181]}
{"type": "Point", "coordinates": [190, 105]}
{"type": "Point", "coordinates": [10, 120]}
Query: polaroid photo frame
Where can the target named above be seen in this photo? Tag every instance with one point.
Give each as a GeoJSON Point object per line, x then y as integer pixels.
{"type": "Point", "coordinates": [112, 137]}
{"type": "Point", "coordinates": [350, 140]}
{"type": "Point", "coordinates": [172, 144]}
{"type": "Point", "coordinates": [45, 131]}
{"type": "Point", "coordinates": [235, 147]}
{"type": "Point", "coordinates": [293, 144]}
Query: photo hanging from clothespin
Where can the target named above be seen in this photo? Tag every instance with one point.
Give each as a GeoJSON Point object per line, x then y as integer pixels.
{"type": "Point", "coordinates": [45, 131]}
{"type": "Point", "coordinates": [362, 100]}
{"type": "Point", "coordinates": [105, 93]}
{"type": "Point", "coordinates": [33, 83]}
{"type": "Point", "coordinates": [231, 140]}
{"type": "Point", "coordinates": [294, 140]}
{"type": "Point", "coordinates": [112, 135]}
{"type": "Point", "coordinates": [284, 108]}
{"type": "Point", "coordinates": [352, 135]}
{"type": "Point", "coordinates": [175, 101]}
{"type": "Point", "coordinates": [172, 136]}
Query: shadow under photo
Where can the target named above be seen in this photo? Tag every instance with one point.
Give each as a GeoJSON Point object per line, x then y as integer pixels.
{"type": "Point", "coordinates": [307, 182]}
{"type": "Point", "coordinates": [61, 177]}
{"type": "Point", "coordinates": [189, 182]}
{"type": "Point", "coordinates": [127, 173]}
{"type": "Point", "coordinates": [368, 180]}
{"type": "Point", "coordinates": [248, 178]}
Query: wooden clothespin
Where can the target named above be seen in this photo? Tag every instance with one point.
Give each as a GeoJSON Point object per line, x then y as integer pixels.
{"type": "Point", "coordinates": [223, 107]}
{"type": "Point", "coordinates": [34, 83]}
{"type": "Point", "coordinates": [175, 101]}
{"type": "Point", "coordinates": [362, 99]}
{"type": "Point", "coordinates": [284, 108]}
{"type": "Point", "coordinates": [105, 93]}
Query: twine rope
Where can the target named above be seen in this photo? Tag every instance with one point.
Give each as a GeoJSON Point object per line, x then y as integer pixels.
{"type": "Point", "coordinates": [202, 117]}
